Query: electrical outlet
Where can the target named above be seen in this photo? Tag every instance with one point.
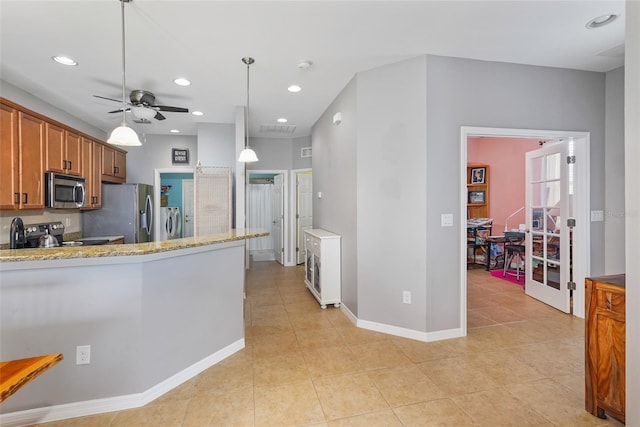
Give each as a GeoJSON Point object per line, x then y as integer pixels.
{"type": "Point", "coordinates": [83, 355]}
{"type": "Point", "coordinates": [406, 297]}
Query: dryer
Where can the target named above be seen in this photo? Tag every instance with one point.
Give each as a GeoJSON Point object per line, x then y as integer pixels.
{"type": "Point", "coordinates": [170, 223]}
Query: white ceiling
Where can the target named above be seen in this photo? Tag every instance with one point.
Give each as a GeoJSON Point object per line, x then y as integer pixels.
{"type": "Point", "coordinates": [205, 41]}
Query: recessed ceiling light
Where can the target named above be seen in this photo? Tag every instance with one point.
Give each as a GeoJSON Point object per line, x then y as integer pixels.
{"type": "Point", "coordinates": [64, 60]}
{"type": "Point", "coordinates": [197, 113]}
{"type": "Point", "coordinates": [294, 88]}
{"type": "Point", "coordinates": [182, 82]}
{"type": "Point", "coordinates": [174, 131]}
{"type": "Point", "coordinates": [601, 21]}
{"type": "Point", "coordinates": [282, 120]}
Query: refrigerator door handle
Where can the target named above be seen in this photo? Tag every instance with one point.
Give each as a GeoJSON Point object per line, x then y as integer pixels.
{"type": "Point", "coordinates": [148, 207]}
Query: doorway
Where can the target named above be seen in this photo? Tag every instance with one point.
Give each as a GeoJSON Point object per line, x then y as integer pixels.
{"type": "Point", "coordinates": [168, 191]}
{"type": "Point", "coordinates": [579, 200]}
{"type": "Point", "coordinates": [302, 188]}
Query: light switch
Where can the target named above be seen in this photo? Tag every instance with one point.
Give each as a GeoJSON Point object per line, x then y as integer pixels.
{"type": "Point", "coordinates": [597, 216]}
{"type": "Point", "coordinates": [446, 220]}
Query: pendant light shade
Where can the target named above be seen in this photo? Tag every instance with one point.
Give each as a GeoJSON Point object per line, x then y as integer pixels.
{"type": "Point", "coordinates": [123, 134]}
{"type": "Point", "coordinates": [247, 155]}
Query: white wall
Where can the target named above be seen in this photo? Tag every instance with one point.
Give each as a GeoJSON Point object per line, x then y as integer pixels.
{"type": "Point", "coordinates": [217, 144]}
{"type": "Point", "coordinates": [632, 209]}
{"type": "Point", "coordinates": [614, 173]}
{"type": "Point", "coordinates": [154, 153]}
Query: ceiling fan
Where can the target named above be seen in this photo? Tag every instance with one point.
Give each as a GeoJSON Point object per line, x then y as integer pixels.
{"type": "Point", "coordinates": [143, 106]}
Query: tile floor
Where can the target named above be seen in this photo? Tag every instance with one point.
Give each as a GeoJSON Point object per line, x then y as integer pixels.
{"type": "Point", "coordinates": [521, 364]}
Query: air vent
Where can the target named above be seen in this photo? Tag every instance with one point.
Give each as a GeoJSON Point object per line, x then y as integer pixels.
{"type": "Point", "coordinates": [305, 152]}
{"type": "Point", "coordinates": [278, 128]}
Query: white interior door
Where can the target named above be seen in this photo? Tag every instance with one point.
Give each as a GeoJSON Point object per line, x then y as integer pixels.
{"type": "Point", "coordinates": [278, 218]}
{"type": "Point", "coordinates": [548, 207]}
{"type": "Point", "coordinates": [187, 208]}
{"type": "Point", "coordinates": [304, 210]}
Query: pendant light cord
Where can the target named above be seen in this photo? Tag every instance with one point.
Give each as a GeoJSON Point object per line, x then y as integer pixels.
{"type": "Point", "coordinates": [247, 60]}
{"type": "Point", "coordinates": [124, 94]}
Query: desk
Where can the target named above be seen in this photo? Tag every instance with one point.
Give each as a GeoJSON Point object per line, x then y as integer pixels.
{"type": "Point", "coordinates": [14, 374]}
{"type": "Point", "coordinates": [478, 229]}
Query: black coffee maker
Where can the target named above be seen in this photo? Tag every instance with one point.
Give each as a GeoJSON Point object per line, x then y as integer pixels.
{"type": "Point", "coordinates": [17, 238]}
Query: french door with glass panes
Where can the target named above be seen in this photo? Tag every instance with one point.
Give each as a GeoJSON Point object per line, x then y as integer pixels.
{"type": "Point", "coordinates": [548, 242]}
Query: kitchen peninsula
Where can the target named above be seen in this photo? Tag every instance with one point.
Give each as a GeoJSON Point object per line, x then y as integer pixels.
{"type": "Point", "coordinates": [155, 314]}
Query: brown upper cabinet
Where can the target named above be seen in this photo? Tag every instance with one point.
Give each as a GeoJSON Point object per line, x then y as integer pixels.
{"type": "Point", "coordinates": [63, 151]}
{"type": "Point", "coordinates": [32, 144]}
{"type": "Point", "coordinates": [21, 168]}
{"type": "Point", "coordinates": [92, 171]}
{"type": "Point", "coordinates": [114, 165]}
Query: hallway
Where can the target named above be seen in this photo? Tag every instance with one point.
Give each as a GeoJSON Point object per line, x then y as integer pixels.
{"type": "Point", "coordinates": [521, 364]}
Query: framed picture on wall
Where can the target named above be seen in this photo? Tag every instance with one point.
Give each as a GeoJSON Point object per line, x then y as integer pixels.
{"type": "Point", "coordinates": [180, 156]}
{"type": "Point", "coordinates": [476, 197]}
{"type": "Point", "coordinates": [477, 175]}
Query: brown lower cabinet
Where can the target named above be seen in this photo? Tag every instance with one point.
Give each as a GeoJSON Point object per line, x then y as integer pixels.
{"type": "Point", "coordinates": [605, 346]}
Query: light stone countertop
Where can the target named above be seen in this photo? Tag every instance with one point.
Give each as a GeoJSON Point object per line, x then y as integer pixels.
{"type": "Point", "coordinates": [130, 249]}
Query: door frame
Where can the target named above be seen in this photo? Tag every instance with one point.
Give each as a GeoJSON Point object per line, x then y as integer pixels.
{"type": "Point", "coordinates": [292, 208]}
{"type": "Point", "coordinates": [286, 222]}
{"type": "Point", "coordinates": [582, 254]}
{"type": "Point", "coordinates": [156, 192]}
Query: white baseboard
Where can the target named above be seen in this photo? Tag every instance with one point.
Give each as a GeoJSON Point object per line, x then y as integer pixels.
{"type": "Point", "coordinates": [118, 403]}
{"type": "Point", "coordinates": [402, 332]}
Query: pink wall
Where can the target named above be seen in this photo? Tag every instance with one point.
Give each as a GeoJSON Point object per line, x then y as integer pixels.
{"type": "Point", "coordinates": [505, 157]}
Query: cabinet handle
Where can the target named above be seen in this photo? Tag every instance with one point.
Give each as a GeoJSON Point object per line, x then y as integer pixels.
{"type": "Point", "coordinates": [64, 164]}
{"type": "Point", "coordinates": [25, 198]}
{"type": "Point", "coordinates": [70, 167]}
{"type": "Point", "coordinates": [609, 305]}
{"type": "Point", "coordinates": [16, 198]}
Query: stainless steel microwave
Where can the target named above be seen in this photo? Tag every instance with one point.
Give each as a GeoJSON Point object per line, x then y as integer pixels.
{"type": "Point", "coordinates": [64, 191]}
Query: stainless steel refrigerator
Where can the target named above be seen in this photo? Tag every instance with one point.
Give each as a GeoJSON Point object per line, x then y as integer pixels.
{"type": "Point", "coordinates": [127, 210]}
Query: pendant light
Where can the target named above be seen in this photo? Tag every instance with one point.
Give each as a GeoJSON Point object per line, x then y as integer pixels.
{"type": "Point", "coordinates": [123, 134]}
{"type": "Point", "coordinates": [247, 155]}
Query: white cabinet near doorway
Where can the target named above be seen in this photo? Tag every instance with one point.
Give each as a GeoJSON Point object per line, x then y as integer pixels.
{"type": "Point", "coordinates": [322, 266]}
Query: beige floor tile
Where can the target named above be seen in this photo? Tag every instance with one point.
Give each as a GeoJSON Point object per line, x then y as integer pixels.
{"type": "Point", "coordinates": [380, 354]}
{"type": "Point", "coordinates": [329, 361]}
{"type": "Point", "coordinates": [498, 407]}
{"type": "Point", "coordinates": [503, 367]}
{"type": "Point", "coordinates": [287, 405]}
{"type": "Point", "coordinates": [476, 320]}
{"type": "Point", "coordinates": [499, 314]}
{"type": "Point", "coordinates": [555, 402]}
{"type": "Point", "coordinates": [274, 345]}
{"type": "Point", "coordinates": [419, 351]}
{"type": "Point", "coordinates": [221, 379]}
{"type": "Point", "coordinates": [435, 413]}
{"type": "Point", "coordinates": [167, 415]}
{"type": "Point", "coordinates": [456, 376]}
{"type": "Point", "coordinates": [544, 356]}
{"type": "Point", "coordinates": [302, 307]}
{"type": "Point", "coordinates": [270, 326]}
{"type": "Point", "coordinates": [353, 335]}
{"type": "Point", "coordinates": [374, 419]}
{"type": "Point", "coordinates": [230, 409]}
{"type": "Point", "coordinates": [308, 321]}
{"type": "Point", "coordinates": [283, 369]}
{"type": "Point", "coordinates": [101, 420]}
{"type": "Point", "coordinates": [320, 338]}
{"type": "Point", "coordinates": [348, 395]}
{"type": "Point", "coordinates": [404, 385]}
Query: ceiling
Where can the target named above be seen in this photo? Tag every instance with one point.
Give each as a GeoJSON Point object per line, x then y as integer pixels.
{"type": "Point", "coordinates": [205, 41]}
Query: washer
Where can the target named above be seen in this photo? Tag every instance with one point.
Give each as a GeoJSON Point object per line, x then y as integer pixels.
{"type": "Point", "coordinates": [170, 223]}
{"type": "Point", "coordinates": [176, 217]}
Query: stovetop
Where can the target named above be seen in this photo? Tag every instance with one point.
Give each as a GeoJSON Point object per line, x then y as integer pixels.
{"type": "Point", "coordinates": [33, 232]}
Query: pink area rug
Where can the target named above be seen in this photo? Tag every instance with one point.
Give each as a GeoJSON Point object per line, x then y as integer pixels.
{"type": "Point", "coordinates": [509, 277]}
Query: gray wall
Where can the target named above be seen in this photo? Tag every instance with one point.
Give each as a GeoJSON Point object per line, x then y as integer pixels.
{"type": "Point", "coordinates": [297, 161]}
{"type": "Point", "coordinates": [476, 93]}
{"type": "Point", "coordinates": [404, 172]}
{"type": "Point", "coordinates": [217, 144]}
{"type": "Point", "coordinates": [392, 194]}
{"type": "Point", "coordinates": [335, 176]}
{"type": "Point", "coordinates": [155, 152]}
{"type": "Point", "coordinates": [632, 208]}
{"type": "Point", "coordinates": [614, 172]}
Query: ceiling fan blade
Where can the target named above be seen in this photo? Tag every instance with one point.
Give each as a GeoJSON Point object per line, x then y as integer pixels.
{"type": "Point", "coordinates": [119, 110]}
{"type": "Point", "coordinates": [109, 99]}
{"type": "Point", "coordinates": [159, 116]}
{"type": "Point", "coordinates": [171, 109]}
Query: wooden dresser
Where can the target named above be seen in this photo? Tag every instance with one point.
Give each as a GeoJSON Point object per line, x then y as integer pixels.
{"type": "Point", "coordinates": [605, 346]}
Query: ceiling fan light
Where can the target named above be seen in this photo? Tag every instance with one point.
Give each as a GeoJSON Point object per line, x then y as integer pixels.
{"type": "Point", "coordinates": [247, 156]}
{"type": "Point", "coordinates": [143, 112]}
{"type": "Point", "coordinates": [124, 135]}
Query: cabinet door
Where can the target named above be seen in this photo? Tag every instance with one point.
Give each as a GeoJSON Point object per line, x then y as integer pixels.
{"type": "Point", "coordinates": [32, 138]}
{"type": "Point", "coordinates": [108, 162]}
{"type": "Point", "coordinates": [55, 152]}
{"type": "Point", "coordinates": [96, 189]}
{"type": "Point", "coordinates": [610, 330]}
{"type": "Point", "coordinates": [73, 153]}
{"type": "Point", "coordinates": [9, 169]}
{"type": "Point", "coordinates": [120, 163]}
